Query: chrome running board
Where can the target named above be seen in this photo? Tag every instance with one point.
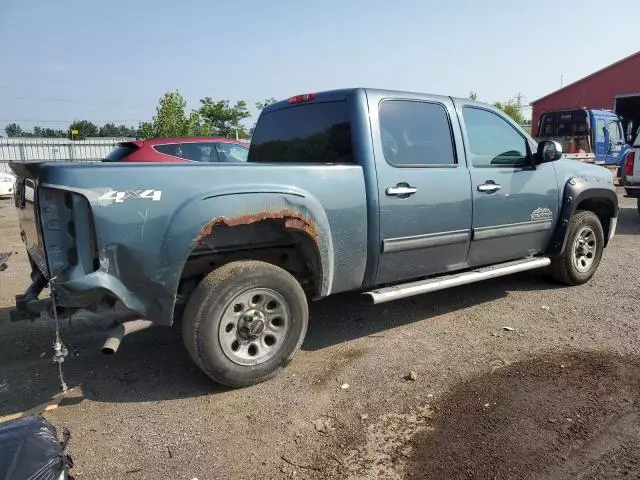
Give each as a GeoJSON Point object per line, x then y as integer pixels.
{"type": "Point", "coordinates": [405, 290]}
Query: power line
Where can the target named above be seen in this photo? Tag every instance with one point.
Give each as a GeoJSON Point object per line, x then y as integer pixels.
{"type": "Point", "coordinates": [71, 121]}
{"type": "Point", "coordinates": [69, 101]}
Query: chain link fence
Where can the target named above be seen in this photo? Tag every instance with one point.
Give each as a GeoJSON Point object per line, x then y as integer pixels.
{"type": "Point", "coordinates": [54, 150]}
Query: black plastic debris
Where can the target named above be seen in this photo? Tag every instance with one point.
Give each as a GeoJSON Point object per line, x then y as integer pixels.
{"type": "Point", "coordinates": [4, 256]}
{"type": "Point", "coordinates": [30, 450]}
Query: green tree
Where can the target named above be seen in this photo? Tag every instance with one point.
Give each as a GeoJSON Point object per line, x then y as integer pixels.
{"type": "Point", "coordinates": [171, 120]}
{"type": "Point", "coordinates": [40, 132]}
{"type": "Point", "coordinates": [145, 130]}
{"type": "Point", "coordinates": [85, 129]}
{"type": "Point", "coordinates": [109, 130]}
{"type": "Point", "coordinates": [13, 130]}
{"type": "Point", "coordinates": [223, 118]}
{"type": "Point", "coordinates": [265, 103]}
{"type": "Point", "coordinates": [513, 108]}
{"type": "Point", "coordinates": [261, 106]}
{"type": "Point", "coordinates": [124, 131]}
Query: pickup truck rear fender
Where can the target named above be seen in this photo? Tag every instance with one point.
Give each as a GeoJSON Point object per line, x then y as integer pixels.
{"type": "Point", "coordinates": [583, 193]}
{"type": "Point", "coordinates": [242, 222]}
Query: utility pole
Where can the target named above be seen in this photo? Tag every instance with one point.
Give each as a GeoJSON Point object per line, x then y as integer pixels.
{"type": "Point", "coordinates": [518, 99]}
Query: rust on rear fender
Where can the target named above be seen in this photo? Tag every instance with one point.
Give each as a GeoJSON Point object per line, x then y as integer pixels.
{"type": "Point", "coordinates": [293, 220]}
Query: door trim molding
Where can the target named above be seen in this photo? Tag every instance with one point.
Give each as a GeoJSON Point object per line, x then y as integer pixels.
{"type": "Point", "coordinates": [415, 242]}
{"type": "Point", "coordinates": [508, 230]}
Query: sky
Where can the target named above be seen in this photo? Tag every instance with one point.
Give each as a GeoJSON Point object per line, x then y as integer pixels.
{"type": "Point", "coordinates": [113, 60]}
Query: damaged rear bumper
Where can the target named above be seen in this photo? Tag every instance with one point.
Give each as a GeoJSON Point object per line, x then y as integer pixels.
{"type": "Point", "coordinates": [96, 292]}
{"type": "Point", "coordinates": [95, 288]}
{"type": "Point", "coordinates": [28, 305]}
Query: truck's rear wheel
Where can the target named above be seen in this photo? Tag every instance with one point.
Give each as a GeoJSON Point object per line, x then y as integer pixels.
{"type": "Point", "coordinates": [244, 322]}
{"type": "Point", "coordinates": [582, 254]}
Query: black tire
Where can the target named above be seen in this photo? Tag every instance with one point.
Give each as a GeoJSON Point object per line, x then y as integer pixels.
{"type": "Point", "coordinates": [638, 204]}
{"type": "Point", "coordinates": [563, 267]}
{"type": "Point", "coordinates": [208, 303]}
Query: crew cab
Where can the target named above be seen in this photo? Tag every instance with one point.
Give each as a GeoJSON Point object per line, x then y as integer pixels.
{"type": "Point", "coordinates": [388, 193]}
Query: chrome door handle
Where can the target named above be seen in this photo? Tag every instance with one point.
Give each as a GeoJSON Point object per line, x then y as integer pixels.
{"type": "Point", "coordinates": [401, 191]}
{"type": "Point", "coordinates": [489, 187]}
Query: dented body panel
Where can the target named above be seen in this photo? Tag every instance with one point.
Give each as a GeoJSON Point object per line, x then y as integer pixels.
{"type": "Point", "coordinates": [142, 243]}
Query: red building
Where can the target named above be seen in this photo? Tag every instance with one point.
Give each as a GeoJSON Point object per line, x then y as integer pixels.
{"type": "Point", "coordinates": [598, 90]}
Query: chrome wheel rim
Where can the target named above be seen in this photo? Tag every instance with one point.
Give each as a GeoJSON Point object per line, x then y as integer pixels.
{"type": "Point", "coordinates": [584, 249]}
{"type": "Point", "coordinates": [254, 326]}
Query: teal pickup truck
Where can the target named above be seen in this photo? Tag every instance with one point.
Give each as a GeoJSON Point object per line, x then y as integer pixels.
{"type": "Point", "coordinates": [388, 193]}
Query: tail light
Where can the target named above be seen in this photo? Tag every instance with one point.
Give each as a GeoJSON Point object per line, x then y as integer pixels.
{"type": "Point", "coordinates": [629, 162]}
{"type": "Point", "coordinates": [302, 98]}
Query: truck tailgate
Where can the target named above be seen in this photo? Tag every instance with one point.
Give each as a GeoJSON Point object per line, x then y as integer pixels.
{"type": "Point", "coordinates": [26, 204]}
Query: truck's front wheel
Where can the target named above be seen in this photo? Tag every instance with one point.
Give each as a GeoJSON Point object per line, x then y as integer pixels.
{"type": "Point", "coordinates": [581, 257]}
{"type": "Point", "coordinates": [244, 322]}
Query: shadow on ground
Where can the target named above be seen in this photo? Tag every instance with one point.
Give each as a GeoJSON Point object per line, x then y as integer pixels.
{"type": "Point", "coordinates": [571, 415]}
{"type": "Point", "coordinates": [628, 222]}
{"type": "Point", "coordinates": [153, 365]}
{"type": "Point", "coordinates": [343, 317]}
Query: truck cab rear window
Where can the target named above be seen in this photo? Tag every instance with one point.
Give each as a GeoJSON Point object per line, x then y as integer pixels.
{"type": "Point", "coordinates": [564, 124]}
{"type": "Point", "coordinates": [311, 133]}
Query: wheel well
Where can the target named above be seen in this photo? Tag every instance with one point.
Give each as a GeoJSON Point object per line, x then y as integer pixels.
{"type": "Point", "coordinates": [270, 241]}
{"type": "Point", "coordinates": [604, 209]}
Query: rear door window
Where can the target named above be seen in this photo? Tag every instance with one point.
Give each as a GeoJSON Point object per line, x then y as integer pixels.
{"type": "Point", "coordinates": [416, 133]}
{"type": "Point", "coordinates": [231, 152]}
{"type": "Point", "coordinates": [199, 152]}
{"type": "Point", "coordinates": [171, 149]}
{"type": "Point", "coordinates": [306, 133]}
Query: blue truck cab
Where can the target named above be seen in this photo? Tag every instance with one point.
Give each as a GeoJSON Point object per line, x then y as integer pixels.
{"type": "Point", "coordinates": [589, 135]}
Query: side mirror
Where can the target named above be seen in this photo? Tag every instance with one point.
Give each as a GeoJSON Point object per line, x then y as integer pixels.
{"type": "Point", "coordinates": [548, 151]}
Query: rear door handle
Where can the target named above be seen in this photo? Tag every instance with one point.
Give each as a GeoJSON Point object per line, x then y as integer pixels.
{"type": "Point", "coordinates": [401, 191]}
{"type": "Point", "coordinates": [489, 187]}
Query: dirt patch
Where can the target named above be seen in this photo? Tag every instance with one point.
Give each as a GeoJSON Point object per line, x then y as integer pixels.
{"type": "Point", "coordinates": [562, 416]}
{"type": "Point", "coordinates": [339, 362]}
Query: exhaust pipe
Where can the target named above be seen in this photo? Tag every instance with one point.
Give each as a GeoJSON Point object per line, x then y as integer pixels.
{"type": "Point", "coordinates": [117, 333]}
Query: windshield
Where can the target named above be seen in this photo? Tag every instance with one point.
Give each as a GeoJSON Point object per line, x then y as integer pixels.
{"type": "Point", "coordinates": [311, 133]}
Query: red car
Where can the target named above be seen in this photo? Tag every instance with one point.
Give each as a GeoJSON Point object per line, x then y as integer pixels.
{"type": "Point", "coordinates": [188, 149]}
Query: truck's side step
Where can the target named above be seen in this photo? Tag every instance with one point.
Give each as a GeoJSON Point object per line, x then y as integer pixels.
{"type": "Point", "coordinates": [405, 290]}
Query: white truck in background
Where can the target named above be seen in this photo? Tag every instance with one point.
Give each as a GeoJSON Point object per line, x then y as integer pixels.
{"type": "Point", "coordinates": [631, 170]}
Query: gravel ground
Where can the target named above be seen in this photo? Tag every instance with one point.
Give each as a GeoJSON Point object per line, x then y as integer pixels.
{"type": "Point", "coordinates": [557, 397]}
